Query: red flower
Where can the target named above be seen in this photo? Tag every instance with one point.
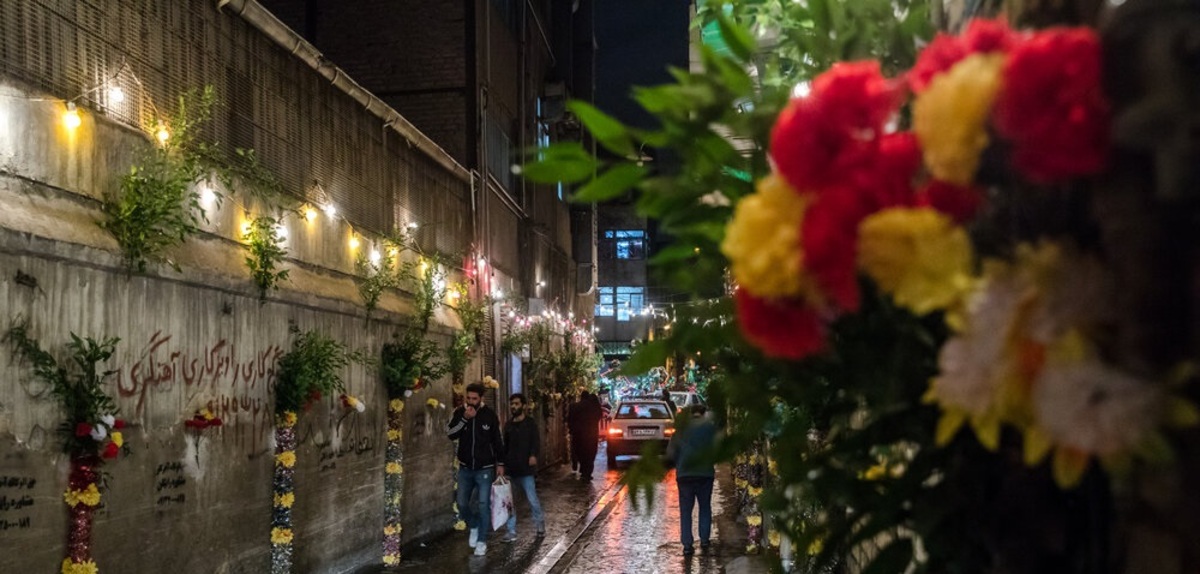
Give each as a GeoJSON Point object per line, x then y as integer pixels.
{"type": "Point", "coordinates": [83, 429]}
{"type": "Point", "coordinates": [960, 203]}
{"type": "Point", "coordinates": [835, 130]}
{"type": "Point", "coordinates": [981, 36]}
{"type": "Point", "coordinates": [111, 450]}
{"type": "Point", "coordinates": [888, 182]}
{"type": "Point", "coordinates": [215, 422]}
{"type": "Point", "coordinates": [195, 423]}
{"type": "Point", "coordinates": [1052, 106]}
{"type": "Point", "coordinates": [829, 236]}
{"type": "Point", "coordinates": [785, 330]}
{"type": "Point", "coordinates": [118, 424]}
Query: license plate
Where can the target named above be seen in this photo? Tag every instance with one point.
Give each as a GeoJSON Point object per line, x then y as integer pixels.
{"type": "Point", "coordinates": [643, 432]}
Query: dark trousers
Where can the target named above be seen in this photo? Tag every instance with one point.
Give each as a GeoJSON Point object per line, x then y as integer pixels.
{"type": "Point", "coordinates": [691, 490]}
{"type": "Point", "coordinates": [588, 445]}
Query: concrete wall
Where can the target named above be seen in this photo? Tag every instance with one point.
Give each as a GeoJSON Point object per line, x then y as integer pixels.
{"type": "Point", "coordinates": [200, 337]}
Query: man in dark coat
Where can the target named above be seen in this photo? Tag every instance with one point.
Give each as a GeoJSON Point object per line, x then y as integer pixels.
{"type": "Point", "coordinates": [480, 460]}
{"type": "Point", "coordinates": [588, 415]}
{"type": "Point", "coordinates": [522, 445]}
{"type": "Point", "coordinates": [690, 450]}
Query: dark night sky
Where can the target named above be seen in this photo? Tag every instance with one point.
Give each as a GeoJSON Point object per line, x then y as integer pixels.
{"type": "Point", "coordinates": [637, 40]}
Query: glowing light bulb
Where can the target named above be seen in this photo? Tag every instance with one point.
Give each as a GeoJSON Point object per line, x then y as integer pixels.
{"type": "Point", "coordinates": [330, 210]}
{"type": "Point", "coordinates": [353, 242]}
{"type": "Point", "coordinates": [375, 257]}
{"type": "Point", "coordinates": [161, 134]}
{"type": "Point", "coordinates": [71, 117]}
{"type": "Point", "coordinates": [281, 231]}
{"type": "Point", "coordinates": [207, 196]}
{"type": "Point", "coordinates": [482, 262]}
{"type": "Point", "coordinates": [116, 95]}
{"type": "Point", "coordinates": [413, 225]}
{"type": "Point", "coordinates": [310, 214]}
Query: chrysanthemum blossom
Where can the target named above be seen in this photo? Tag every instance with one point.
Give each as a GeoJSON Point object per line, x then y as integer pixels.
{"type": "Point", "coordinates": [1052, 106]}
{"type": "Point", "coordinates": [916, 255]}
{"type": "Point", "coordinates": [762, 241]}
{"type": "Point", "coordinates": [950, 118]}
{"type": "Point", "coordinates": [982, 36]}
{"type": "Point", "coordinates": [785, 329]}
{"type": "Point", "coordinates": [818, 139]}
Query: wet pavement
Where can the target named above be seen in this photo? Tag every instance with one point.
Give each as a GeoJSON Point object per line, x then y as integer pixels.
{"type": "Point", "coordinates": [592, 526]}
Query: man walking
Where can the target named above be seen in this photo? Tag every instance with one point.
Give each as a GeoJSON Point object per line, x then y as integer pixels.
{"type": "Point", "coordinates": [588, 426]}
{"type": "Point", "coordinates": [690, 450]}
{"type": "Point", "coordinates": [480, 459]}
{"type": "Point", "coordinates": [522, 446]}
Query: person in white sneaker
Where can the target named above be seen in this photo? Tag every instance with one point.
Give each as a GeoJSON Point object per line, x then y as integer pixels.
{"type": "Point", "coordinates": [480, 460]}
{"type": "Point", "coordinates": [522, 445]}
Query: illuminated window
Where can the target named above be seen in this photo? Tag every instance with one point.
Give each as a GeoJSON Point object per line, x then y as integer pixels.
{"type": "Point", "coordinates": [627, 243]}
{"type": "Point", "coordinates": [604, 302]}
{"type": "Point", "coordinates": [629, 301]}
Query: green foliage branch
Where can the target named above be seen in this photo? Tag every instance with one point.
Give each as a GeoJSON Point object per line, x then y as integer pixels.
{"type": "Point", "coordinates": [78, 386]}
{"type": "Point", "coordinates": [264, 254]}
{"type": "Point", "coordinates": [311, 369]}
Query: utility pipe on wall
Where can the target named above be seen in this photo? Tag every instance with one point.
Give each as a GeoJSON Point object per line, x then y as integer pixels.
{"type": "Point", "coordinates": [266, 22]}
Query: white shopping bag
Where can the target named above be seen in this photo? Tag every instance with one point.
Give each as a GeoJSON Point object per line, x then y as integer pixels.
{"type": "Point", "coordinates": [502, 503]}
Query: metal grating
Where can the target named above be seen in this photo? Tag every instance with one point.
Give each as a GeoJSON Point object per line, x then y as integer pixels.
{"type": "Point", "coordinates": [301, 127]}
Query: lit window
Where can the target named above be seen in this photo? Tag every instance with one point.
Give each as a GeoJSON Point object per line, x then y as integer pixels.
{"type": "Point", "coordinates": [604, 302]}
{"type": "Point", "coordinates": [627, 243]}
{"type": "Point", "coordinates": [629, 301]}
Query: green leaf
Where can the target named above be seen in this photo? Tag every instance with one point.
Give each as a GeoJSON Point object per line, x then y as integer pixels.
{"type": "Point", "coordinates": [614, 182]}
{"type": "Point", "coordinates": [611, 133]}
{"type": "Point", "coordinates": [647, 356]}
{"type": "Point", "coordinates": [677, 252]}
{"type": "Point", "coordinates": [737, 38]}
{"type": "Point", "coordinates": [564, 162]}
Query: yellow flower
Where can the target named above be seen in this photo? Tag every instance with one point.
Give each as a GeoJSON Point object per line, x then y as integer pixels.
{"type": "Point", "coordinates": [393, 468]}
{"type": "Point", "coordinates": [392, 530]}
{"type": "Point", "coordinates": [207, 414]}
{"type": "Point", "coordinates": [455, 507]}
{"type": "Point", "coordinates": [751, 548]}
{"type": "Point", "coordinates": [71, 567]}
{"type": "Point", "coordinates": [460, 525]}
{"type": "Point", "coordinates": [286, 458]}
{"type": "Point", "coordinates": [762, 241]}
{"type": "Point", "coordinates": [117, 439]}
{"type": "Point", "coordinates": [875, 472]}
{"type": "Point", "coordinates": [950, 117]}
{"type": "Point", "coordinates": [288, 419]}
{"type": "Point", "coordinates": [754, 520]}
{"type": "Point", "coordinates": [391, 559]}
{"type": "Point", "coordinates": [396, 405]}
{"type": "Point", "coordinates": [393, 435]}
{"type": "Point", "coordinates": [432, 403]}
{"type": "Point", "coordinates": [773, 538]}
{"type": "Point", "coordinates": [89, 496]}
{"type": "Point", "coordinates": [281, 535]}
{"type": "Point", "coordinates": [773, 467]}
{"type": "Point", "coordinates": [916, 255]}
{"type": "Point", "coordinates": [754, 491]}
{"type": "Point", "coordinates": [815, 547]}
{"type": "Point", "coordinates": [285, 500]}
{"type": "Point", "coordinates": [741, 483]}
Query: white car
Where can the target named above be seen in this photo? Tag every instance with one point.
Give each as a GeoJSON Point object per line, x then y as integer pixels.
{"type": "Point", "coordinates": [685, 400]}
{"type": "Point", "coordinates": [636, 423]}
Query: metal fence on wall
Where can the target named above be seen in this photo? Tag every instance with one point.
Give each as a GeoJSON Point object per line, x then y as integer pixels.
{"type": "Point", "coordinates": [302, 128]}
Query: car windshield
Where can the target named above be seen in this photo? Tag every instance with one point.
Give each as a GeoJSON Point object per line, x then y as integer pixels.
{"type": "Point", "coordinates": [643, 411]}
{"type": "Point", "coordinates": [679, 398]}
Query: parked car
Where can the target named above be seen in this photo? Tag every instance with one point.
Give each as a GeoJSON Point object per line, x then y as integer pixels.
{"type": "Point", "coordinates": [685, 400]}
{"type": "Point", "coordinates": [636, 423]}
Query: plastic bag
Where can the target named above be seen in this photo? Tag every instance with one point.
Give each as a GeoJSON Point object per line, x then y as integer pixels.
{"type": "Point", "coordinates": [502, 502]}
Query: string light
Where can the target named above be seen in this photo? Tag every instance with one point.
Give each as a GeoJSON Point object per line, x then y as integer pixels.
{"type": "Point", "coordinates": [281, 231]}
{"type": "Point", "coordinates": [161, 134]}
{"type": "Point", "coordinates": [207, 196]}
{"type": "Point", "coordinates": [375, 257]}
{"type": "Point", "coordinates": [310, 214]}
{"type": "Point", "coordinates": [413, 225]}
{"type": "Point", "coordinates": [330, 210]}
{"type": "Point", "coordinates": [115, 95]}
{"type": "Point", "coordinates": [354, 242]}
{"type": "Point", "coordinates": [71, 117]}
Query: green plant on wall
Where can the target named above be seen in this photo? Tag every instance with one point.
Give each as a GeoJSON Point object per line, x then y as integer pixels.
{"type": "Point", "coordinates": [78, 387]}
{"type": "Point", "coordinates": [264, 254]}
{"type": "Point", "coordinates": [375, 276]}
{"type": "Point", "coordinates": [465, 344]}
{"type": "Point", "coordinates": [409, 361]}
{"type": "Point", "coordinates": [312, 369]}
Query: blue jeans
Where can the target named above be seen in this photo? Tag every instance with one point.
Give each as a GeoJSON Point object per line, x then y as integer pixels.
{"type": "Point", "coordinates": [692, 489]}
{"type": "Point", "coordinates": [479, 517]}
{"type": "Point", "coordinates": [526, 484]}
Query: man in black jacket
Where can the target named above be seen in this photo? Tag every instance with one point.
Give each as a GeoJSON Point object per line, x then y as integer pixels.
{"type": "Point", "coordinates": [480, 459]}
{"type": "Point", "coordinates": [522, 444]}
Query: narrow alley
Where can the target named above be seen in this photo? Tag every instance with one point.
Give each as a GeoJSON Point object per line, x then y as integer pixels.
{"type": "Point", "coordinates": [594, 527]}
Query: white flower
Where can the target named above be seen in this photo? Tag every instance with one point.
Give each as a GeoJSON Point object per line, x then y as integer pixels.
{"type": "Point", "coordinates": [1086, 405]}
{"type": "Point", "coordinates": [99, 432]}
{"type": "Point", "coordinates": [108, 420]}
{"type": "Point", "coordinates": [975, 362]}
{"type": "Point", "coordinates": [360, 406]}
{"type": "Point", "coordinates": [408, 393]}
